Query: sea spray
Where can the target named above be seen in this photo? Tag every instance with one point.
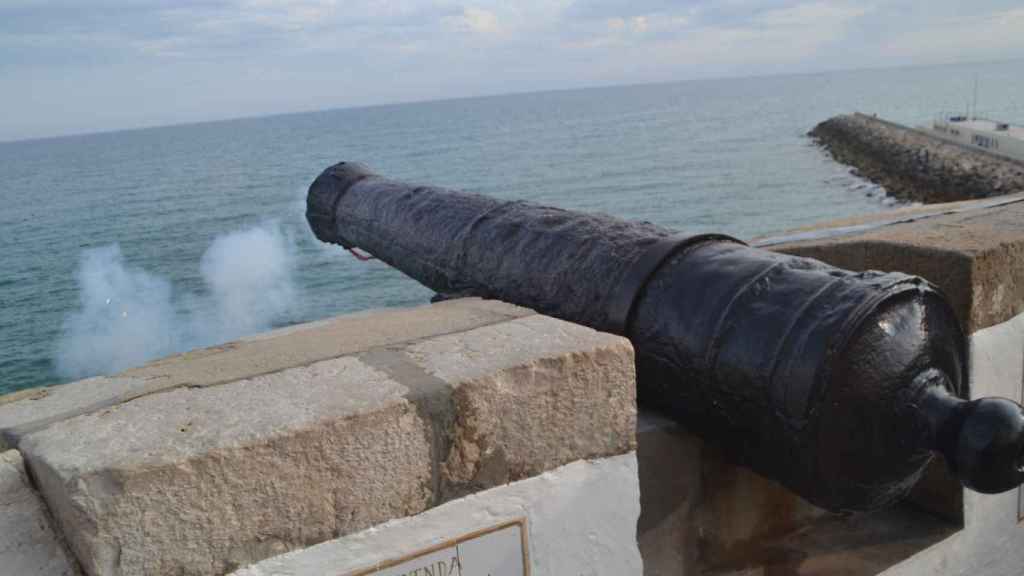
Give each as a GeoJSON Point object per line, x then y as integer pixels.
{"type": "Point", "coordinates": [127, 316]}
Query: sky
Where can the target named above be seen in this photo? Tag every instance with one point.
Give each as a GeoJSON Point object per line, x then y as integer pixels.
{"type": "Point", "coordinates": [71, 66]}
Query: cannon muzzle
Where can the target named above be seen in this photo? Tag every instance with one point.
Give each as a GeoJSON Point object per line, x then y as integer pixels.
{"type": "Point", "coordinates": [840, 385]}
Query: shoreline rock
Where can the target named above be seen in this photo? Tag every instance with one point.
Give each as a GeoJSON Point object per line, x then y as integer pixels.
{"type": "Point", "coordinates": [914, 166]}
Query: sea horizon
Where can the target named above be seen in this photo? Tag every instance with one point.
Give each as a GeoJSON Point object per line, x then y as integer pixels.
{"type": "Point", "coordinates": [387, 104]}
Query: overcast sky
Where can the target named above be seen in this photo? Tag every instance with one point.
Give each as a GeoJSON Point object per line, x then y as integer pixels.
{"type": "Point", "coordinates": [76, 65]}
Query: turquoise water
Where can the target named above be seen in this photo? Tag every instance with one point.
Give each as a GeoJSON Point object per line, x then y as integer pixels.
{"type": "Point", "coordinates": [122, 246]}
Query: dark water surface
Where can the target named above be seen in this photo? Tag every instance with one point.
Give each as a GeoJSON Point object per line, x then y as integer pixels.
{"type": "Point", "coordinates": [726, 155]}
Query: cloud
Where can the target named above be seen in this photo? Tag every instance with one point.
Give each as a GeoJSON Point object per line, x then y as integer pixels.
{"type": "Point", "coordinates": [133, 62]}
{"type": "Point", "coordinates": [810, 14]}
{"type": "Point", "coordinates": [767, 35]}
{"type": "Point", "coordinates": [475, 20]}
{"type": "Point", "coordinates": [622, 9]}
{"type": "Point", "coordinates": [201, 27]}
{"type": "Point", "coordinates": [982, 36]}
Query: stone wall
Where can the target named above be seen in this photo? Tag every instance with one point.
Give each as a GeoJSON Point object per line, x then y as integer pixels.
{"type": "Point", "coordinates": [212, 460]}
{"type": "Point", "coordinates": [913, 165]}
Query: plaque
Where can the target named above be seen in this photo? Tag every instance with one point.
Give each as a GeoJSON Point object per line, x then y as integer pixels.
{"type": "Point", "coordinates": [496, 551]}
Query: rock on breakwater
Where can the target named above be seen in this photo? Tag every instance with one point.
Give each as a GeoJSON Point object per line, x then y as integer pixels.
{"type": "Point", "coordinates": [913, 165]}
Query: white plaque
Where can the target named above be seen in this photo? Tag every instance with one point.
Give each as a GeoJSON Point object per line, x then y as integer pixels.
{"type": "Point", "coordinates": [496, 551]}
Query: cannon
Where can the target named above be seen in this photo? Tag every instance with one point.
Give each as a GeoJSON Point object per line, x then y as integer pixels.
{"type": "Point", "coordinates": [840, 385]}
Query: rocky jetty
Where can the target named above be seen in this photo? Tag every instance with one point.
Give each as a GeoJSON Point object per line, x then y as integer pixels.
{"type": "Point", "coordinates": [913, 165]}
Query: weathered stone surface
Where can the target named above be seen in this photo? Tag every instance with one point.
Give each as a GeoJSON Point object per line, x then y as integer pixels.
{"type": "Point", "coordinates": [202, 480]}
{"type": "Point", "coordinates": [28, 544]}
{"type": "Point", "coordinates": [973, 256]}
{"type": "Point", "coordinates": [580, 517]}
{"type": "Point", "coordinates": [914, 165]}
{"type": "Point", "coordinates": [37, 408]}
{"type": "Point", "coordinates": [275, 350]}
{"type": "Point", "coordinates": [529, 395]}
{"type": "Point", "coordinates": [207, 477]}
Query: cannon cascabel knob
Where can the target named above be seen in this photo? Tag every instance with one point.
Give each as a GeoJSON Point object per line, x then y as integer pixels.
{"type": "Point", "coordinates": [982, 440]}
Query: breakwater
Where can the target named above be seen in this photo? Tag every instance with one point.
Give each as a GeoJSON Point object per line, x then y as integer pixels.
{"type": "Point", "coordinates": [913, 165]}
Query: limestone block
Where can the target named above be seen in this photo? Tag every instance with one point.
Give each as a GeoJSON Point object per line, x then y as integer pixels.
{"type": "Point", "coordinates": [971, 251]}
{"type": "Point", "coordinates": [28, 544]}
{"type": "Point", "coordinates": [529, 395]}
{"type": "Point", "coordinates": [203, 480]}
{"type": "Point", "coordinates": [28, 410]}
{"type": "Point", "coordinates": [581, 519]}
{"type": "Point", "coordinates": [289, 347]}
{"type": "Point", "coordinates": [207, 476]}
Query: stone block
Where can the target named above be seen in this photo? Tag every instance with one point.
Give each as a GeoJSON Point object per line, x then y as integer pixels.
{"type": "Point", "coordinates": [208, 476]}
{"type": "Point", "coordinates": [28, 410]}
{"type": "Point", "coordinates": [28, 544]}
{"type": "Point", "coordinates": [970, 250]}
{"type": "Point", "coordinates": [528, 395]}
{"type": "Point", "coordinates": [300, 345]}
{"type": "Point", "coordinates": [203, 480]}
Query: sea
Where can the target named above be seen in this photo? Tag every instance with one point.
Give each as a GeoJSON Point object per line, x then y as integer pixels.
{"type": "Point", "coordinates": [121, 247]}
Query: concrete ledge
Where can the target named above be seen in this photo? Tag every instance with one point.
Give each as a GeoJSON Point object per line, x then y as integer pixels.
{"type": "Point", "coordinates": [211, 473]}
{"type": "Point", "coordinates": [973, 255]}
{"type": "Point", "coordinates": [29, 410]}
{"type": "Point", "coordinates": [581, 519]}
{"type": "Point", "coordinates": [28, 544]}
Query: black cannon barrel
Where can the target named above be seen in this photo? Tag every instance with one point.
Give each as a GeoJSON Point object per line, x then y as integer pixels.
{"type": "Point", "coordinates": [841, 385]}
